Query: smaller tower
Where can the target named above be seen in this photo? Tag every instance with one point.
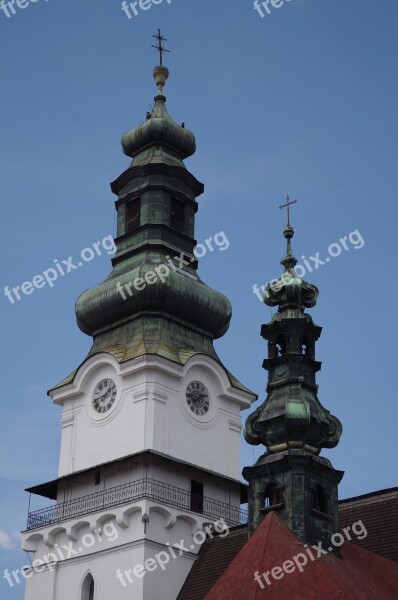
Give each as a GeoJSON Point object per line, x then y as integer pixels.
{"type": "Point", "coordinates": [291, 477]}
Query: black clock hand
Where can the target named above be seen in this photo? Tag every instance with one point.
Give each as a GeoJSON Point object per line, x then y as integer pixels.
{"type": "Point", "coordinates": [106, 394]}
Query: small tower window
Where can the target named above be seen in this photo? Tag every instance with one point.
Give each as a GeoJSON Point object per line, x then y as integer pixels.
{"type": "Point", "coordinates": [177, 215]}
{"type": "Point", "coordinates": [319, 499]}
{"type": "Point", "coordinates": [88, 588]}
{"type": "Point", "coordinates": [272, 495]}
{"type": "Point", "coordinates": [280, 345]}
{"type": "Point", "coordinates": [133, 215]}
{"type": "Point", "coordinates": [307, 347]}
{"type": "Point", "coordinates": [196, 496]}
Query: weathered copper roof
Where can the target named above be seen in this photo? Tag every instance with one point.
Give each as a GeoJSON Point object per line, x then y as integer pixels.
{"type": "Point", "coordinates": [159, 139]}
{"type": "Point", "coordinates": [180, 296]}
{"type": "Point", "coordinates": [134, 349]}
{"type": "Point", "coordinates": [292, 415]}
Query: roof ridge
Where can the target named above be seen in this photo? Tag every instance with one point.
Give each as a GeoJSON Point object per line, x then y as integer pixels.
{"type": "Point", "coordinates": [381, 493]}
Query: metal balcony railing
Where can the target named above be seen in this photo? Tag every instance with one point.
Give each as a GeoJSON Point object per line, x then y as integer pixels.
{"type": "Point", "coordinates": [142, 488]}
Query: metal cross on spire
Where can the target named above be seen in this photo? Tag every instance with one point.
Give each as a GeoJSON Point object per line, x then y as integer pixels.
{"type": "Point", "coordinates": [159, 47]}
{"type": "Point", "coordinates": [288, 205]}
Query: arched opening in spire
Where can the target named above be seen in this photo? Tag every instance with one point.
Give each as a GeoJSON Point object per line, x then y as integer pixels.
{"type": "Point", "coordinates": [272, 495]}
{"type": "Point", "coordinates": [304, 345]}
{"type": "Point", "coordinates": [88, 588]}
{"type": "Point", "coordinates": [307, 347]}
{"type": "Point", "coordinates": [280, 345]}
{"type": "Point", "coordinates": [319, 499]}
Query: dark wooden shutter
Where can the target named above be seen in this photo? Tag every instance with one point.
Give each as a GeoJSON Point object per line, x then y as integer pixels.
{"type": "Point", "coordinates": [177, 217]}
{"type": "Point", "coordinates": [133, 215]}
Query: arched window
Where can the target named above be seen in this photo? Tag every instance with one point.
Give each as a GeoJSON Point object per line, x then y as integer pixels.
{"type": "Point", "coordinates": [280, 345]}
{"type": "Point", "coordinates": [319, 501]}
{"type": "Point", "coordinates": [307, 347]}
{"type": "Point", "coordinates": [272, 495]}
{"type": "Point", "coordinates": [88, 588]}
{"type": "Point", "coordinates": [272, 350]}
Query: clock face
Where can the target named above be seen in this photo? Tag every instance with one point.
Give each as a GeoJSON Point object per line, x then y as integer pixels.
{"type": "Point", "coordinates": [198, 398]}
{"type": "Point", "coordinates": [104, 395]}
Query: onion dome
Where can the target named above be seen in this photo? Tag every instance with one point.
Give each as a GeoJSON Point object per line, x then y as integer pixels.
{"type": "Point", "coordinates": [154, 286]}
{"type": "Point", "coordinates": [289, 291]}
{"type": "Point", "coordinates": [292, 415]}
{"type": "Point", "coordinates": [177, 295]}
{"type": "Point", "coordinates": [159, 138]}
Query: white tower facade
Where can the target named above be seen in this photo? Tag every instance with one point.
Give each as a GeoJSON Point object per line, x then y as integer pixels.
{"type": "Point", "coordinates": [150, 444]}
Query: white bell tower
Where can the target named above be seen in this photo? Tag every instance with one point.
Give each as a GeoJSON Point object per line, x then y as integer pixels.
{"type": "Point", "coordinates": [149, 462]}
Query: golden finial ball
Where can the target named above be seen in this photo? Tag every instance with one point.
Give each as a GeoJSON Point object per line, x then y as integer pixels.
{"type": "Point", "coordinates": [160, 74]}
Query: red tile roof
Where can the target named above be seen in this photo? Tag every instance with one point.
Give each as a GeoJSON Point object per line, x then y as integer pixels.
{"type": "Point", "coordinates": [357, 575]}
{"type": "Point", "coordinates": [379, 513]}
{"type": "Point", "coordinates": [215, 556]}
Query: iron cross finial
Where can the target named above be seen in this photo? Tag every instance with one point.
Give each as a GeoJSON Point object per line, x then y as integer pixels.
{"type": "Point", "coordinates": [288, 205]}
{"type": "Point", "coordinates": [159, 47]}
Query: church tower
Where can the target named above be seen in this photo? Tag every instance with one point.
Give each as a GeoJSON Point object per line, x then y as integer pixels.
{"type": "Point", "coordinates": [150, 447]}
{"type": "Point", "coordinates": [291, 477]}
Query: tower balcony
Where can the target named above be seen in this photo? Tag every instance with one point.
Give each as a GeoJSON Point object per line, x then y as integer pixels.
{"type": "Point", "coordinates": [136, 490]}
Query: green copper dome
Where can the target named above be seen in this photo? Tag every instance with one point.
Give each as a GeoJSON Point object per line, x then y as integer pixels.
{"type": "Point", "coordinates": [178, 295]}
{"type": "Point", "coordinates": [292, 417]}
{"type": "Point", "coordinates": [154, 278]}
{"type": "Point", "coordinates": [159, 129]}
{"type": "Point", "coordinates": [159, 138]}
{"type": "Point", "coordinates": [289, 291]}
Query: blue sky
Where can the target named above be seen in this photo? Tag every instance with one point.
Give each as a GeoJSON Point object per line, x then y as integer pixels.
{"type": "Point", "coordinates": [300, 102]}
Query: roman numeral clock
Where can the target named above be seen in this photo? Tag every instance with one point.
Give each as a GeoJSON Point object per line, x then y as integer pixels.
{"type": "Point", "coordinates": [104, 395]}
{"type": "Point", "coordinates": [197, 398]}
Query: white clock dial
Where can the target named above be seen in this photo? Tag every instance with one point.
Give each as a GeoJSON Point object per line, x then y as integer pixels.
{"type": "Point", "coordinates": [104, 395]}
{"type": "Point", "coordinates": [197, 398]}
